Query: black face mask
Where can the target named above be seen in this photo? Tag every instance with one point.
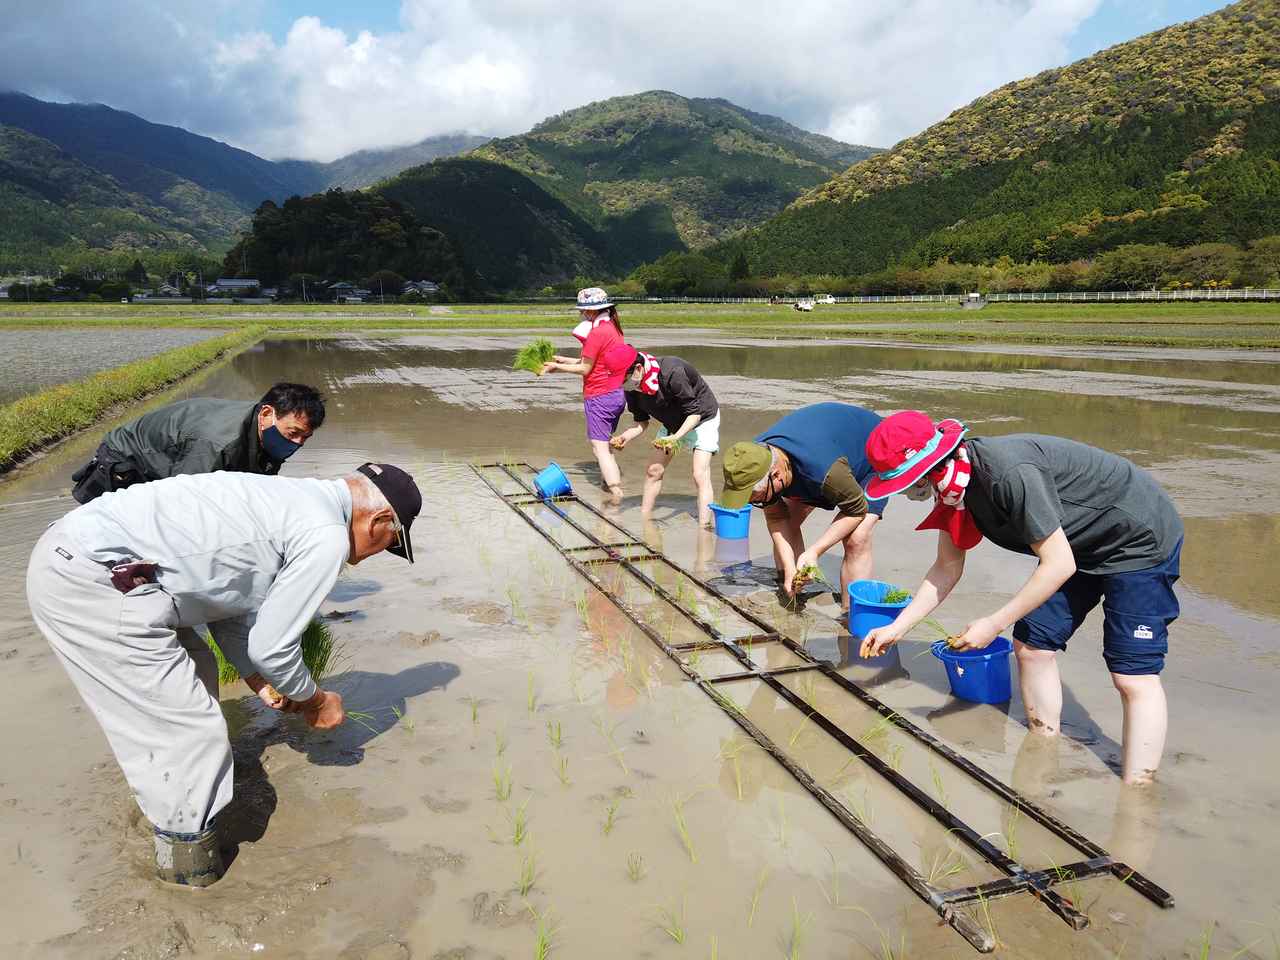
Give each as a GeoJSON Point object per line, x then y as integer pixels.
{"type": "Point", "coordinates": [277, 446]}
{"type": "Point", "coordinates": [772, 496]}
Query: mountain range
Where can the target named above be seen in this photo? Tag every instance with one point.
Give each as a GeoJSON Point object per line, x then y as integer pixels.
{"type": "Point", "coordinates": [715, 166]}
{"type": "Point", "coordinates": [596, 190]}
{"type": "Point", "coordinates": [603, 188]}
{"type": "Point", "coordinates": [1169, 140]}
{"type": "Point", "coordinates": [86, 173]}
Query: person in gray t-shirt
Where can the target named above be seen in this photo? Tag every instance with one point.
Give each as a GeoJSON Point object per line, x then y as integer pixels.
{"type": "Point", "coordinates": [1101, 528]}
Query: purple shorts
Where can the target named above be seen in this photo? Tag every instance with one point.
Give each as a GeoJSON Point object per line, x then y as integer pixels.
{"type": "Point", "coordinates": [603, 413]}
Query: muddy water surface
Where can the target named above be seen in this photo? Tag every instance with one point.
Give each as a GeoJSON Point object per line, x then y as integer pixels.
{"type": "Point", "coordinates": [395, 837]}
{"type": "Point", "coordinates": [46, 358]}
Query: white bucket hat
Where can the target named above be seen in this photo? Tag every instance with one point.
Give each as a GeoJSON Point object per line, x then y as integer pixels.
{"type": "Point", "coordinates": [593, 298]}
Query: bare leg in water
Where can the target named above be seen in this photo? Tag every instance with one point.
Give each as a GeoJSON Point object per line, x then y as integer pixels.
{"type": "Point", "coordinates": [609, 472]}
{"type": "Point", "coordinates": [1146, 717]}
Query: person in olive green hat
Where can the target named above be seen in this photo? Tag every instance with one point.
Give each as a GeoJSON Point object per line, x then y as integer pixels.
{"type": "Point", "coordinates": [814, 458]}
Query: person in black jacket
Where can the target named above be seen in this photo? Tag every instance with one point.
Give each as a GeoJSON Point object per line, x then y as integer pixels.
{"type": "Point", "coordinates": [202, 435]}
{"type": "Point", "coordinates": [675, 394]}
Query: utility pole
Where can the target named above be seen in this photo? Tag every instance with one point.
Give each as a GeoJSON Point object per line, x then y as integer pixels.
{"type": "Point", "coordinates": [381, 293]}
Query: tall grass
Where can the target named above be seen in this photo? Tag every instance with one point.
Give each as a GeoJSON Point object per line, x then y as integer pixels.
{"type": "Point", "coordinates": [32, 422]}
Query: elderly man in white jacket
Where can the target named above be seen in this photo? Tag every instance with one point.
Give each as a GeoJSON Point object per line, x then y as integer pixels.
{"type": "Point", "coordinates": [111, 583]}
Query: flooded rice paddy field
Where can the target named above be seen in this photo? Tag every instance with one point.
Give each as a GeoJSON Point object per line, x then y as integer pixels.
{"type": "Point", "coordinates": [389, 838]}
{"type": "Point", "coordinates": [46, 358]}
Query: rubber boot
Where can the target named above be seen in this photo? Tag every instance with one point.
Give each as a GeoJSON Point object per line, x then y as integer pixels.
{"type": "Point", "coordinates": [189, 859]}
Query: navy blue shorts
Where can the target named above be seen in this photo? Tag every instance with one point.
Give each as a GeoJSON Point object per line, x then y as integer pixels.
{"type": "Point", "coordinates": [877, 506]}
{"type": "Point", "coordinates": [1137, 608]}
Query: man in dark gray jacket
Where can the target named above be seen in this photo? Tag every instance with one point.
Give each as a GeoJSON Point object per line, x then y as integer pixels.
{"type": "Point", "coordinates": [203, 435]}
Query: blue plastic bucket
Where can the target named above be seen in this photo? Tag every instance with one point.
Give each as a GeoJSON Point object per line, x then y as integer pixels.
{"type": "Point", "coordinates": [978, 675]}
{"type": "Point", "coordinates": [732, 524]}
{"type": "Point", "coordinates": [867, 609]}
{"type": "Point", "coordinates": [551, 482]}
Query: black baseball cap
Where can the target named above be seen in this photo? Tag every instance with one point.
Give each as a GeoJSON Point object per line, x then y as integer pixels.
{"type": "Point", "coordinates": [403, 495]}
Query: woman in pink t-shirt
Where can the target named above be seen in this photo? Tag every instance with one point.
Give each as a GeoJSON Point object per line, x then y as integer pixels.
{"type": "Point", "coordinates": [603, 366]}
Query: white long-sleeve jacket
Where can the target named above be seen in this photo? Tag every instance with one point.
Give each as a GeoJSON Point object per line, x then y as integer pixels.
{"type": "Point", "coordinates": [252, 556]}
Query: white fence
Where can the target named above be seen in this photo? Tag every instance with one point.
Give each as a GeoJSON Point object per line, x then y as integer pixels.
{"type": "Point", "coordinates": [1105, 296]}
{"type": "Point", "coordinates": [1127, 296]}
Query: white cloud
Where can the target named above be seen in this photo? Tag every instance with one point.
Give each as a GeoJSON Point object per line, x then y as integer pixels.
{"type": "Point", "coordinates": [870, 71]}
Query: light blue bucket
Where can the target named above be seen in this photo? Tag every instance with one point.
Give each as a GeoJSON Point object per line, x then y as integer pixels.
{"type": "Point", "coordinates": [978, 675]}
{"type": "Point", "coordinates": [867, 609]}
{"type": "Point", "coordinates": [732, 524]}
{"type": "Point", "coordinates": [551, 482]}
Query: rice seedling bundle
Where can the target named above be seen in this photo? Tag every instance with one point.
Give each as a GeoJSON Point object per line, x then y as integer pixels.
{"type": "Point", "coordinates": [806, 574]}
{"type": "Point", "coordinates": [321, 653]}
{"type": "Point", "coordinates": [533, 355]}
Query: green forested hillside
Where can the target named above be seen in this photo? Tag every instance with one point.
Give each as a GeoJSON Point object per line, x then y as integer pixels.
{"type": "Point", "coordinates": [85, 175]}
{"type": "Point", "coordinates": [148, 158]}
{"type": "Point", "coordinates": [1171, 138]}
{"type": "Point", "coordinates": [49, 198]}
{"type": "Point", "coordinates": [708, 166]}
{"type": "Point", "coordinates": [505, 226]}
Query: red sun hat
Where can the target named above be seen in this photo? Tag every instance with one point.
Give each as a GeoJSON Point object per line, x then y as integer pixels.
{"type": "Point", "coordinates": [904, 447]}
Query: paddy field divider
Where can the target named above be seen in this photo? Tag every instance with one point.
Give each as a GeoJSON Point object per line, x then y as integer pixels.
{"type": "Point", "coordinates": [31, 423]}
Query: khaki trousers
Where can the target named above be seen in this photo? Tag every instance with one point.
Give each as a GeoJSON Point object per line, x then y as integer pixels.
{"type": "Point", "coordinates": [151, 685]}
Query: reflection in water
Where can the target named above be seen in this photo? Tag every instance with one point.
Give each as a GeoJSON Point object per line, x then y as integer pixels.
{"type": "Point", "coordinates": [1149, 432]}
{"type": "Point", "coordinates": [1233, 557]}
{"type": "Point", "coordinates": [978, 726]}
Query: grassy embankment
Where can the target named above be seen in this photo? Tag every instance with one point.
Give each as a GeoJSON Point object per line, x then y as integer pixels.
{"type": "Point", "coordinates": [35, 421]}
{"type": "Point", "coordinates": [1238, 325]}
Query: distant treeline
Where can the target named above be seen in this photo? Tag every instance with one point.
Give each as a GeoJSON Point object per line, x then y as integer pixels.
{"type": "Point", "coordinates": [344, 235]}
{"type": "Point", "coordinates": [102, 264]}
{"type": "Point", "coordinates": [1135, 266]}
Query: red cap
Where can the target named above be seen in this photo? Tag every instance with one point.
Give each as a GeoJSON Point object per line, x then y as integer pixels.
{"type": "Point", "coordinates": [904, 447]}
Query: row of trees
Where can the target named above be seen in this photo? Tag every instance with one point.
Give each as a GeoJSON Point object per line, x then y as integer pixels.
{"type": "Point", "coordinates": [1137, 266]}
{"type": "Point", "coordinates": [102, 264]}
{"type": "Point", "coordinates": [343, 234]}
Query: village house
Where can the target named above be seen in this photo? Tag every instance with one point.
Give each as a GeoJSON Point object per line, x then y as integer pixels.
{"type": "Point", "coordinates": [234, 285]}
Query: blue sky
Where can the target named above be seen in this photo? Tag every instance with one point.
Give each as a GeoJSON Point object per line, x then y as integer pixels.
{"type": "Point", "coordinates": [377, 16]}
{"type": "Point", "coordinates": [1119, 20]}
{"type": "Point", "coordinates": [1115, 22]}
